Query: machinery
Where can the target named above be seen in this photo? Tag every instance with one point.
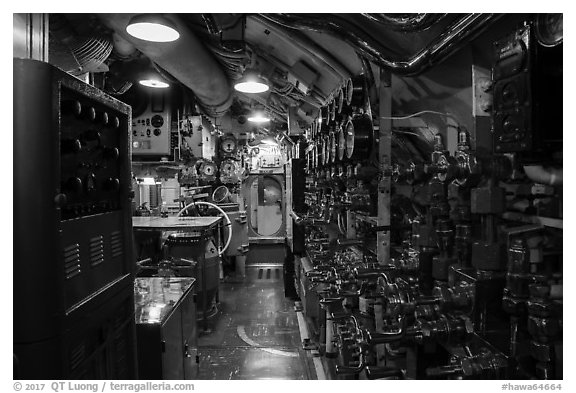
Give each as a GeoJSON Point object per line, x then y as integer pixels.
{"type": "Point", "coordinates": [472, 287]}
{"type": "Point", "coordinates": [404, 170]}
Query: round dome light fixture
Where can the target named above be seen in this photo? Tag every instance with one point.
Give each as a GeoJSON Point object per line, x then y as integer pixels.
{"type": "Point", "coordinates": [258, 117]}
{"type": "Point", "coordinates": [252, 84]}
{"type": "Point", "coordinates": [154, 83]}
{"type": "Point", "coordinates": [152, 27]}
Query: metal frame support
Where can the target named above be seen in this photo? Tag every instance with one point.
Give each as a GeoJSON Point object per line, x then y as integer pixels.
{"type": "Point", "coordinates": [385, 160]}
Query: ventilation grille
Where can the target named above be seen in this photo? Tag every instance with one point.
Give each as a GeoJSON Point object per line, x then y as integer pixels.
{"type": "Point", "coordinates": [72, 261]}
{"type": "Point", "coordinates": [96, 251]}
{"type": "Point", "coordinates": [116, 244]}
{"type": "Point", "coordinates": [77, 356]}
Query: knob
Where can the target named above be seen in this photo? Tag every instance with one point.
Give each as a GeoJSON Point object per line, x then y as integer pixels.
{"type": "Point", "coordinates": [89, 114]}
{"type": "Point", "coordinates": [73, 185]}
{"type": "Point", "coordinates": [115, 123]}
{"type": "Point", "coordinates": [70, 146]}
{"type": "Point", "coordinates": [111, 153]}
{"type": "Point", "coordinates": [102, 117]}
{"type": "Point", "coordinates": [157, 131]}
{"type": "Point", "coordinates": [112, 184]}
{"type": "Point", "coordinates": [71, 107]}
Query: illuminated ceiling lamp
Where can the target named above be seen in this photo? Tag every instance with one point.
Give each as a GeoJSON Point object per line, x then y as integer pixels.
{"type": "Point", "coordinates": [251, 83]}
{"type": "Point", "coordinates": [259, 117]}
{"type": "Point", "coordinates": [152, 27]}
{"type": "Point", "coordinates": [154, 82]}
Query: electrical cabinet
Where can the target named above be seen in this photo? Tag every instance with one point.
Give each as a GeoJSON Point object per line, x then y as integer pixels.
{"type": "Point", "coordinates": [72, 230]}
{"type": "Point", "coordinates": [166, 327]}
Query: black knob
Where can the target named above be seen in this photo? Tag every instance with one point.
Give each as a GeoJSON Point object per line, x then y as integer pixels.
{"type": "Point", "coordinates": [111, 153]}
{"type": "Point", "coordinates": [73, 185]}
{"type": "Point", "coordinates": [102, 117]}
{"type": "Point", "coordinates": [71, 107]}
{"type": "Point", "coordinates": [112, 184]}
{"type": "Point", "coordinates": [157, 131]}
{"type": "Point", "coordinates": [89, 114]}
{"type": "Point", "coordinates": [70, 146]}
{"type": "Point", "coordinates": [115, 123]}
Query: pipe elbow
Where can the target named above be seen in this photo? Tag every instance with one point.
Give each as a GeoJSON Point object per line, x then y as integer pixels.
{"type": "Point", "coordinates": [549, 176]}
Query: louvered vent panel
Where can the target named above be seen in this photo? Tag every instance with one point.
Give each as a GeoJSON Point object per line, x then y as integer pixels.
{"type": "Point", "coordinates": [72, 261]}
{"type": "Point", "coordinates": [96, 250]}
{"type": "Point", "coordinates": [116, 244]}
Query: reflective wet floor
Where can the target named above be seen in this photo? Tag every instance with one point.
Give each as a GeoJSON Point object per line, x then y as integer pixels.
{"type": "Point", "coordinates": [255, 335]}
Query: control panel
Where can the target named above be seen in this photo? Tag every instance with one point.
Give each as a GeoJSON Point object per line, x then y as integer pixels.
{"type": "Point", "coordinates": [90, 156]}
{"type": "Point", "coordinates": [151, 130]}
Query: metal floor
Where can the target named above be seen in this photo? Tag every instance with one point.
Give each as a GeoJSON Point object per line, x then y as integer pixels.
{"type": "Point", "coordinates": [255, 335]}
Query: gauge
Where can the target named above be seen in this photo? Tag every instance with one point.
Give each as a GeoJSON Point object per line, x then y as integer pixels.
{"type": "Point", "coordinates": [157, 121]}
{"type": "Point", "coordinates": [340, 100]}
{"type": "Point", "coordinates": [349, 91]}
{"type": "Point", "coordinates": [549, 29]}
{"type": "Point", "coordinates": [208, 170]}
{"type": "Point", "coordinates": [332, 147]}
{"type": "Point", "coordinates": [228, 144]}
{"type": "Point", "coordinates": [228, 168]}
{"type": "Point", "coordinates": [341, 142]}
{"type": "Point", "coordinates": [349, 136]}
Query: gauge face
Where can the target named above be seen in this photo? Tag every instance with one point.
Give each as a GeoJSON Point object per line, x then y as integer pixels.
{"type": "Point", "coordinates": [228, 168]}
{"type": "Point", "coordinates": [228, 145]}
{"type": "Point", "coordinates": [349, 136]}
{"type": "Point", "coordinates": [549, 29]}
{"type": "Point", "coordinates": [349, 91]}
{"type": "Point", "coordinates": [208, 170]}
{"type": "Point", "coordinates": [341, 143]}
{"type": "Point", "coordinates": [340, 100]}
{"type": "Point", "coordinates": [157, 121]}
{"type": "Point", "coordinates": [332, 147]}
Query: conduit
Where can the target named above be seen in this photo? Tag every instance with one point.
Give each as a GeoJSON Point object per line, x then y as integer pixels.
{"type": "Point", "coordinates": [456, 35]}
{"type": "Point", "coordinates": [186, 59]}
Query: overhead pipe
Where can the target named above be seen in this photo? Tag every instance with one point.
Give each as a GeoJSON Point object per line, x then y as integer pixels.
{"type": "Point", "coordinates": [541, 175]}
{"type": "Point", "coordinates": [186, 59]}
{"type": "Point", "coordinates": [406, 22]}
{"type": "Point", "coordinates": [307, 45]}
{"type": "Point", "coordinates": [456, 35]}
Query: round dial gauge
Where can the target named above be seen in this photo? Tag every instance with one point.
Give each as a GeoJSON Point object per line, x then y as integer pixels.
{"type": "Point", "coordinates": [208, 170]}
{"type": "Point", "coordinates": [228, 145]}
{"type": "Point", "coordinates": [349, 136]}
{"type": "Point", "coordinates": [549, 29]}
{"type": "Point", "coordinates": [157, 121]}
{"type": "Point", "coordinates": [341, 143]}
{"type": "Point", "coordinates": [332, 147]}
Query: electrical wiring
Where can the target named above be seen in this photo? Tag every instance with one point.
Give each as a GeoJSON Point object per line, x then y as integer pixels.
{"type": "Point", "coordinates": [446, 114]}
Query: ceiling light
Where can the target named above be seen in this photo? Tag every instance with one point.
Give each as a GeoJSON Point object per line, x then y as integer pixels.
{"type": "Point", "coordinates": [258, 117]}
{"type": "Point", "coordinates": [150, 27]}
{"type": "Point", "coordinates": [251, 83]}
{"type": "Point", "coordinates": [147, 181]}
{"type": "Point", "coordinates": [154, 83]}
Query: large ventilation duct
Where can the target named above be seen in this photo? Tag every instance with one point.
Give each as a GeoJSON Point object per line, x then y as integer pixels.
{"type": "Point", "coordinates": [456, 35]}
{"type": "Point", "coordinates": [186, 59]}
